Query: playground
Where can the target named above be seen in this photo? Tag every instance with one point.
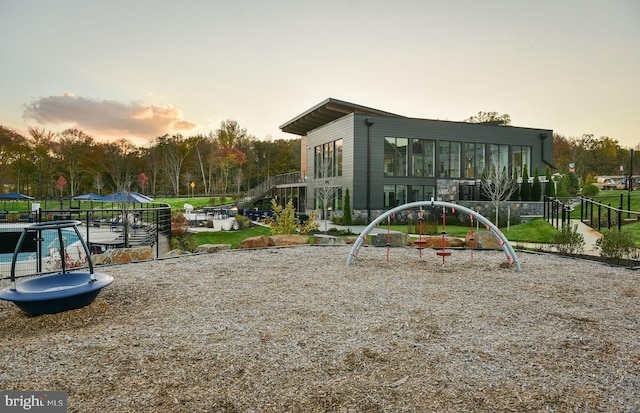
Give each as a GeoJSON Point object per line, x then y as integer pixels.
{"type": "Point", "coordinates": [296, 329]}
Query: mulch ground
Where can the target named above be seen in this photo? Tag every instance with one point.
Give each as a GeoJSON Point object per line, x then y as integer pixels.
{"type": "Point", "coordinates": [295, 329]}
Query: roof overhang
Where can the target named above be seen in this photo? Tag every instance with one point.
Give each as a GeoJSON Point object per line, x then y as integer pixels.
{"type": "Point", "coordinates": [325, 112]}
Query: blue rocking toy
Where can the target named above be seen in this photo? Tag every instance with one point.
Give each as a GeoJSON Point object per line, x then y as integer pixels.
{"type": "Point", "coordinates": [59, 292]}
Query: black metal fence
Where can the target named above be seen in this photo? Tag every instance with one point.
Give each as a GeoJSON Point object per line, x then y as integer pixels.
{"type": "Point", "coordinates": [103, 227]}
{"type": "Point", "coordinates": [557, 211]}
{"type": "Point", "coordinates": [596, 214]}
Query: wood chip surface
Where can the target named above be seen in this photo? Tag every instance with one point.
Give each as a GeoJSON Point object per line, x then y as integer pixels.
{"type": "Point", "coordinates": [296, 329]}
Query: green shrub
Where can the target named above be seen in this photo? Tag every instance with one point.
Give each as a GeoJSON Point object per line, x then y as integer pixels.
{"type": "Point", "coordinates": [180, 236]}
{"type": "Point", "coordinates": [243, 222]}
{"type": "Point", "coordinates": [590, 190]}
{"type": "Point", "coordinates": [347, 208]}
{"type": "Point", "coordinates": [536, 187]}
{"type": "Point", "coordinates": [568, 240]}
{"type": "Point", "coordinates": [284, 220]}
{"type": "Point", "coordinates": [616, 245]}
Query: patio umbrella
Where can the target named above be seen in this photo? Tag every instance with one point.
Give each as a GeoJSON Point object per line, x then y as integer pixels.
{"type": "Point", "coordinates": [87, 197]}
{"type": "Point", "coordinates": [124, 196]}
{"type": "Point", "coordinates": [14, 196]}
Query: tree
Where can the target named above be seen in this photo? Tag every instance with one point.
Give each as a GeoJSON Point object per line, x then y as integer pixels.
{"type": "Point", "coordinates": [41, 143]}
{"type": "Point", "coordinates": [230, 134]}
{"type": "Point", "coordinates": [232, 160]}
{"type": "Point", "coordinates": [175, 150]}
{"type": "Point", "coordinates": [498, 186]}
{"type": "Point", "coordinates": [324, 186]}
{"type": "Point", "coordinates": [525, 187]}
{"type": "Point", "coordinates": [143, 182]}
{"type": "Point", "coordinates": [536, 188]}
{"type": "Point", "coordinates": [98, 183]}
{"type": "Point", "coordinates": [119, 161]}
{"type": "Point", "coordinates": [549, 186]}
{"type": "Point", "coordinates": [490, 117]}
{"type": "Point", "coordinates": [73, 150]}
{"type": "Point", "coordinates": [13, 157]}
{"type": "Point", "coordinates": [346, 216]}
{"type": "Point", "coordinates": [61, 182]}
{"type": "Point", "coordinates": [515, 196]}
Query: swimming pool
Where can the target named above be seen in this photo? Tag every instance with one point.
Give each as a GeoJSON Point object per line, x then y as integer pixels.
{"type": "Point", "coordinates": [47, 247]}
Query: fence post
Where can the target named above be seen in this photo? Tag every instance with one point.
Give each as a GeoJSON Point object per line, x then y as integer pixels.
{"type": "Point", "coordinates": [609, 216]}
{"type": "Point", "coordinates": [619, 218]}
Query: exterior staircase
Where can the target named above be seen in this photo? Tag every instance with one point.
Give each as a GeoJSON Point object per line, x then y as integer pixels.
{"type": "Point", "coordinates": [258, 192]}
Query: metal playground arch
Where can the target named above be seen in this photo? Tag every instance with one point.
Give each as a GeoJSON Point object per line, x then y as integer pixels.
{"type": "Point", "coordinates": [506, 246]}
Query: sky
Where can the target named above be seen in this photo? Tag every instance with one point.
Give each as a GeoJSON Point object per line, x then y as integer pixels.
{"type": "Point", "coordinates": [139, 69]}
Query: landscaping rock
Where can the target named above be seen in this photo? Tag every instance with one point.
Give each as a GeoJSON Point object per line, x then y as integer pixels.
{"type": "Point", "coordinates": [483, 240]}
{"type": "Point", "coordinates": [123, 255]}
{"type": "Point", "coordinates": [261, 241]}
{"type": "Point", "coordinates": [212, 247]}
{"type": "Point", "coordinates": [395, 239]}
{"type": "Point", "coordinates": [287, 239]}
{"type": "Point", "coordinates": [433, 241]}
{"type": "Point", "coordinates": [322, 239]}
{"type": "Point", "coordinates": [175, 253]}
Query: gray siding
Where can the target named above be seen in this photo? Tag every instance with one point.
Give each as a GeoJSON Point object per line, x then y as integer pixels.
{"type": "Point", "coordinates": [435, 130]}
{"type": "Point", "coordinates": [353, 129]}
{"type": "Point", "coordinates": [339, 129]}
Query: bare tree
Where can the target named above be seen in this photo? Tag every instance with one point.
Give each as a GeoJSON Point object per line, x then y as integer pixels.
{"type": "Point", "coordinates": [498, 186]}
{"type": "Point", "coordinates": [98, 183]}
{"type": "Point", "coordinates": [325, 186]}
{"type": "Point", "coordinates": [175, 150]}
{"type": "Point", "coordinates": [239, 179]}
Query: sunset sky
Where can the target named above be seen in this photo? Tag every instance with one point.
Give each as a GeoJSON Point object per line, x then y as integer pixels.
{"type": "Point", "coordinates": [139, 69]}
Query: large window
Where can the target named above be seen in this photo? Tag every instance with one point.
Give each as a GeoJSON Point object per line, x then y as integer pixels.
{"type": "Point", "coordinates": [422, 157]}
{"type": "Point", "coordinates": [499, 156]}
{"type": "Point", "coordinates": [395, 195]}
{"type": "Point", "coordinates": [328, 159]}
{"type": "Point", "coordinates": [396, 156]}
{"type": "Point", "coordinates": [449, 156]}
{"type": "Point", "coordinates": [521, 156]}
{"type": "Point", "coordinates": [473, 160]}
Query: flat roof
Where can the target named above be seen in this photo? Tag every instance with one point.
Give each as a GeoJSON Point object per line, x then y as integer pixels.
{"type": "Point", "coordinates": [325, 112]}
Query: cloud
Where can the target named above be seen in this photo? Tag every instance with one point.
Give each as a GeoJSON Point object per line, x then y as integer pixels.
{"type": "Point", "coordinates": [107, 118]}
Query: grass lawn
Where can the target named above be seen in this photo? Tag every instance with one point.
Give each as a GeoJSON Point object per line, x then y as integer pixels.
{"type": "Point", "coordinates": [177, 204]}
{"type": "Point", "coordinates": [230, 237]}
{"type": "Point", "coordinates": [613, 198]}
{"type": "Point", "coordinates": [537, 230]}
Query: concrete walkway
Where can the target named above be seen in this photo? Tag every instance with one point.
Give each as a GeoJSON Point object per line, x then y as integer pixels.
{"type": "Point", "coordinates": [590, 237]}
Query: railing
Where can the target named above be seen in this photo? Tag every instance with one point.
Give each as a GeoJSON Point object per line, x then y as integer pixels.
{"type": "Point", "coordinates": [264, 187]}
{"type": "Point", "coordinates": [595, 213]}
{"type": "Point", "coordinates": [557, 211]}
{"type": "Point", "coordinates": [97, 226]}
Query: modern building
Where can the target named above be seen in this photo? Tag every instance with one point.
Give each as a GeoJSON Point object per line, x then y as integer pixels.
{"type": "Point", "coordinates": [386, 159]}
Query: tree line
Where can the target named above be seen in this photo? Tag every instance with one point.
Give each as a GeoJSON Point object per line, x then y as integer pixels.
{"type": "Point", "coordinates": [65, 164]}
{"type": "Point", "coordinates": [226, 161]}
{"type": "Point", "coordinates": [593, 156]}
